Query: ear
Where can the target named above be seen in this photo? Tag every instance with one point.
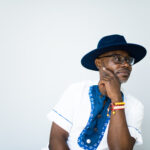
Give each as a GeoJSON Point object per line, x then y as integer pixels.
{"type": "Point", "coordinates": [98, 63]}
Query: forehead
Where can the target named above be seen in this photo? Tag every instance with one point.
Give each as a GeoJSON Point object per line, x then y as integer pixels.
{"type": "Point", "coordinates": [120, 52]}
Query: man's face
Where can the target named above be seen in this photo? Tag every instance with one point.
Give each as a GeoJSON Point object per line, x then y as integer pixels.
{"type": "Point", "coordinates": [122, 70]}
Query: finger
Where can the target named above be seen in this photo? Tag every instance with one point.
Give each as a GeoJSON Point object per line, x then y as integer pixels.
{"type": "Point", "coordinates": [108, 72]}
{"type": "Point", "coordinates": [104, 81]}
{"type": "Point", "coordinates": [105, 74]}
{"type": "Point", "coordinates": [106, 77]}
{"type": "Point", "coordinates": [111, 73]}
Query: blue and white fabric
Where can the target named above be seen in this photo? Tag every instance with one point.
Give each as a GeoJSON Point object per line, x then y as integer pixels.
{"type": "Point", "coordinates": [73, 113]}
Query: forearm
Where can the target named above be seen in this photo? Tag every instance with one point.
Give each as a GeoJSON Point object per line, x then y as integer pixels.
{"type": "Point", "coordinates": [118, 134]}
{"type": "Point", "coordinates": [58, 144]}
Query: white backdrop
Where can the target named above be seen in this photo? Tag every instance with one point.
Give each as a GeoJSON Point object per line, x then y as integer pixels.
{"type": "Point", "coordinates": [41, 44]}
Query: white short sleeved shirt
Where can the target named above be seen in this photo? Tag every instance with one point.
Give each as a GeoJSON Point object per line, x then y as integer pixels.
{"type": "Point", "coordinates": [73, 110]}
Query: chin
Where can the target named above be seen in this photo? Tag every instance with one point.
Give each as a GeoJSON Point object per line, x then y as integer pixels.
{"type": "Point", "coordinates": [123, 79]}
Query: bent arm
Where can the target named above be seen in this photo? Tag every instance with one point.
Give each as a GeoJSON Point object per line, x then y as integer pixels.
{"type": "Point", "coordinates": [119, 137]}
{"type": "Point", "coordinates": [58, 138]}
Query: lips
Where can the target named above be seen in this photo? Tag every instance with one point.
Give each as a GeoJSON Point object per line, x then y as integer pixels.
{"type": "Point", "coordinates": [123, 72]}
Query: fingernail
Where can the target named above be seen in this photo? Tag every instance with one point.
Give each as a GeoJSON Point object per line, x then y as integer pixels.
{"type": "Point", "coordinates": [103, 68]}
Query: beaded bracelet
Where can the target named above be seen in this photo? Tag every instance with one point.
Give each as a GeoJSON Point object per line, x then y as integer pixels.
{"type": "Point", "coordinates": [115, 106]}
{"type": "Point", "coordinates": [118, 103]}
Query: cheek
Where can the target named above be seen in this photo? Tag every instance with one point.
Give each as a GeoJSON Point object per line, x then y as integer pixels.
{"type": "Point", "coordinates": [112, 66]}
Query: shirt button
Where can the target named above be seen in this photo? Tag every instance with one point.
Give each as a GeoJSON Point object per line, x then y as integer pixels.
{"type": "Point", "coordinates": [99, 115]}
{"type": "Point", "coordinates": [88, 141]}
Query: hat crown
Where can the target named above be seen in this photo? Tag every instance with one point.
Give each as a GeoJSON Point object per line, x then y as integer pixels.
{"type": "Point", "coordinates": [111, 40]}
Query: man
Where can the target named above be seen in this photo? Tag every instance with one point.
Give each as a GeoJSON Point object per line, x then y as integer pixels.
{"type": "Point", "coordinates": [100, 115]}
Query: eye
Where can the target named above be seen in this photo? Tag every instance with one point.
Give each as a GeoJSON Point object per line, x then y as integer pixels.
{"type": "Point", "coordinates": [130, 60]}
{"type": "Point", "coordinates": [117, 58]}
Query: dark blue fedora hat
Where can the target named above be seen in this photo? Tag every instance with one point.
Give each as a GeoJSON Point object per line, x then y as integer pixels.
{"type": "Point", "coordinates": [111, 43]}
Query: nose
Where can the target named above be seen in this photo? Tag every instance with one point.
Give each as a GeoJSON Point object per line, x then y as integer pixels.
{"type": "Point", "coordinates": [126, 64]}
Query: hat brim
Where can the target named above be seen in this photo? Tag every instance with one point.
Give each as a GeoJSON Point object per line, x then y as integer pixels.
{"type": "Point", "coordinates": [136, 51]}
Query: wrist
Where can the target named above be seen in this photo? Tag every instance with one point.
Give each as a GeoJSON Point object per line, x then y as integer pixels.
{"type": "Point", "coordinates": [117, 99]}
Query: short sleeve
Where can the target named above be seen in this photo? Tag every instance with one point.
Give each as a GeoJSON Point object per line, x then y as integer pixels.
{"type": "Point", "coordinates": [135, 116]}
{"type": "Point", "coordinates": [62, 113]}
